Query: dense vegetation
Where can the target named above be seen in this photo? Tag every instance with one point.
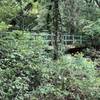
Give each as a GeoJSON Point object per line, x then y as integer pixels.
{"type": "Point", "coordinates": [29, 70]}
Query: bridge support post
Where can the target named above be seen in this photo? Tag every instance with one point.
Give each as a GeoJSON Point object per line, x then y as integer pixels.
{"type": "Point", "coordinates": [80, 39]}
{"type": "Point", "coordinates": [73, 39]}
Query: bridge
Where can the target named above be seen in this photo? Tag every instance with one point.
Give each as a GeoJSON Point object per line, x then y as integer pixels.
{"type": "Point", "coordinates": [66, 39]}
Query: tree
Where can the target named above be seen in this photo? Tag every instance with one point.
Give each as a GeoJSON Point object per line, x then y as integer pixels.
{"type": "Point", "coordinates": [19, 11]}
{"type": "Point", "coordinates": [56, 28]}
{"type": "Point", "coordinates": [52, 22]}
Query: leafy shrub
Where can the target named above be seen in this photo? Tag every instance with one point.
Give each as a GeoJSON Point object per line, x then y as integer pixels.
{"type": "Point", "coordinates": [70, 78]}
{"type": "Point", "coordinates": [26, 73]}
{"type": "Point", "coordinates": [4, 26]}
{"type": "Point", "coordinates": [19, 70]}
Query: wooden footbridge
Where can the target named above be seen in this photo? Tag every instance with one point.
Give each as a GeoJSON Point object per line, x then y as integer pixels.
{"type": "Point", "coordinates": [66, 39]}
{"type": "Point", "coordinates": [69, 41]}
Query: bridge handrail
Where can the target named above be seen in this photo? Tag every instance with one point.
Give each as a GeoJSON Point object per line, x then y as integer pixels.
{"type": "Point", "coordinates": [65, 38]}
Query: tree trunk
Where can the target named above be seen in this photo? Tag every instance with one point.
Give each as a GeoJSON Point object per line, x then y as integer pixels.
{"type": "Point", "coordinates": [56, 30]}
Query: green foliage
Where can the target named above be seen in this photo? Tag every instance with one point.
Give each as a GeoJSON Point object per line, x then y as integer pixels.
{"type": "Point", "coordinates": [4, 26]}
{"type": "Point", "coordinates": [26, 72]}
{"type": "Point", "coordinates": [8, 9]}
{"type": "Point", "coordinates": [92, 28]}
{"type": "Point", "coordinates": [69, 77]}
{"type": "Point", "coordinates": [19, 70]}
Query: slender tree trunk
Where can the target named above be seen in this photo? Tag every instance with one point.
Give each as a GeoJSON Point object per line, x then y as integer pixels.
{"type": "Point", "coordinates": [56, 28]}
{"type": "Point", "coordinates": [48, 18]}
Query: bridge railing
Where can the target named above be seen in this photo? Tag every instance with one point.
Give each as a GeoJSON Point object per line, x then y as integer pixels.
{"type": "Point", "coordinates": [66, 39]}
